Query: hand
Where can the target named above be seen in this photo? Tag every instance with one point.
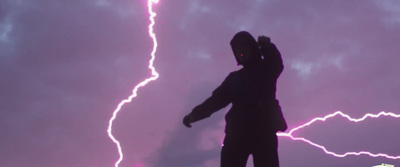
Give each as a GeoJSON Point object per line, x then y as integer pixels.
{"type": "Point", "coordinates": [264, 41]}
{"type": "Point", "coordinates": [187, 120]}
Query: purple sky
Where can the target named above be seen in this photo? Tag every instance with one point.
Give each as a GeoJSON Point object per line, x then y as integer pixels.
{"type": "Point", "coordinates": [65, 65]}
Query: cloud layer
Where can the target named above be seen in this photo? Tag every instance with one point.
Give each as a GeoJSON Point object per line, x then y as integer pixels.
{"type": "Point", "coordinates": [65, 65]}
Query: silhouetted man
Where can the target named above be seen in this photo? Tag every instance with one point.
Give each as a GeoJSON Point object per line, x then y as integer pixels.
{"type": "Point", "coordinates": [255, 116]}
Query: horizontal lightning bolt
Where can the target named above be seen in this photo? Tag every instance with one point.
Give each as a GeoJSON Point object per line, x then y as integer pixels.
{"type": "Point", "coordinates": [154, 76]}
{"type": "Point", "coordinates": [369, 115]}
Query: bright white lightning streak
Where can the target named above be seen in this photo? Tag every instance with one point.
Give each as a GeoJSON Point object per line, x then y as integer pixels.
{"type": "Point", "coordinates": [290, 134]}
{"type": "Point", "coordinates": [154, 76]}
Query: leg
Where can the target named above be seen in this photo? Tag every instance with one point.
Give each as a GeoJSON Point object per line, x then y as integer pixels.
{"type": "Point", "coordinates": [234, 153]}
{"type": "Point", "coordinates": [265, 153]}
{"type": "Point", "coordinates": [232, 157]}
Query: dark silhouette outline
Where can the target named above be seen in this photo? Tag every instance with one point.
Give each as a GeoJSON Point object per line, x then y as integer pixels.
{"type": "Point", "coordinates": [255, 116]}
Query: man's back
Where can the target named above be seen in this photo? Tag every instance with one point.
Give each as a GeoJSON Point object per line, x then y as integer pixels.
{"type": "Point", "coordinates": [252, 93]}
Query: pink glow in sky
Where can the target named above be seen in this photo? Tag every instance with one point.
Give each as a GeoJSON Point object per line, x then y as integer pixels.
{"type": "Point", "coordinates": [66, 64]}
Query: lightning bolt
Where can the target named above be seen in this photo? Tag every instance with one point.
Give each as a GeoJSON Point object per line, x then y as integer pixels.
{"type": "Point", "coordinates": [153, 77]}
{"type": "Point", "coordinates": [339, 113]}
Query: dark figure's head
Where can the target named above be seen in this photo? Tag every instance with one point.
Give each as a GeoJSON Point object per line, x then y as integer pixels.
{"type": "Point", "coordinates": [245, 48]}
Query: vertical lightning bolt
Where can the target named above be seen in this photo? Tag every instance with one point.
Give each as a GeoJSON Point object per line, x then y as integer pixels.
{"type": "Point", "coordinates": [339, 113]}
{"type": "Point", "coordinates": [154, 76]}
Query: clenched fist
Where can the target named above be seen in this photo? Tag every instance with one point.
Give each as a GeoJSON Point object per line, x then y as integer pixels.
{"type": "Point", "coordinates": [187, 120]}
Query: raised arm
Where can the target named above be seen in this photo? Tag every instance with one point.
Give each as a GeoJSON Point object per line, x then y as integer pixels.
{"type": "Point", "coordinates": [272, 57]}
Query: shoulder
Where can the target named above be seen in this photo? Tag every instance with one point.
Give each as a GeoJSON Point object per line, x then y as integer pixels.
{"type": "Point", "coordinates": [235, 74]}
